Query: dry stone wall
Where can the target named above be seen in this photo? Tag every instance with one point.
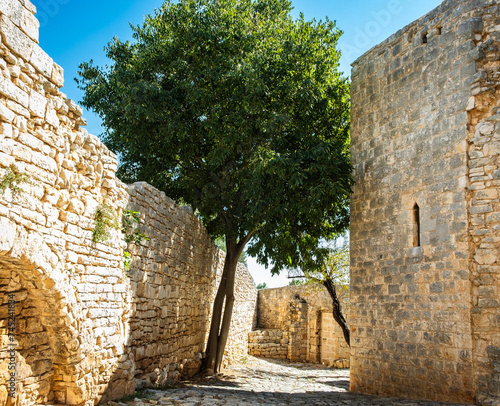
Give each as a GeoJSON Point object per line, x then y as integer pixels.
{"type": "Point", "coordinates": [296, 323]}
{"type": "Point", "coordinates": [77, 325]}
{"type": "Point", "coordinates": [269, 343]}
{"type": "Point", "coordinates": [424, 211]}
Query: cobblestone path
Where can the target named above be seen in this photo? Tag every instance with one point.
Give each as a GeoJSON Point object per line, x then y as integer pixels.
{"type": "Point", "coordinates": [269, 382]}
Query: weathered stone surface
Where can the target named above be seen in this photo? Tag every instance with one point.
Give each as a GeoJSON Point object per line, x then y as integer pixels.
{"type": "Point", "coordinates": [41, 61]}
{"type": "Point", "coordinates": [15, 39]}
{"type": "Point", "coordinates": [425, 239]}
{"type": "Point", "coordinates": [86, 329]}
{"type": "Point", "coordinates": [296, 323]}
{"type": "Point", "coordinates": [12, 10]}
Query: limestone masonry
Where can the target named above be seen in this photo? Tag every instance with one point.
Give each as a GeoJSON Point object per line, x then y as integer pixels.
{"type": "Point", "coordinates": [425, 212]}
{"type": "Point", "coordinates": [296, 323]}
{"type": "Point", "coordinates": [83, 328]}
{"type": "Point", "coordinates": [80, 328]}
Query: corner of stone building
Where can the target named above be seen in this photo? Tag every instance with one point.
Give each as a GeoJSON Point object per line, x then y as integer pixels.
{"type": "Point", "coordinates": [429, 109]}
{"type": "Point", "coordinates": [483, 186]}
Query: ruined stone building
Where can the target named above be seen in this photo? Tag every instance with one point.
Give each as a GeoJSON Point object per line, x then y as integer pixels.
{"type": "Point", "coordinates": [296, 323]}
{"type": "Point", "coordinates": [425, 212]}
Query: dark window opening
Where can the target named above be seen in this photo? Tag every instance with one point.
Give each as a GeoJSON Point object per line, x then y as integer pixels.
{"type": "Point", "coordinates": [416, 225]}
{"type": "Point", "coordinates": [439, 30]}
{"type": "Point", "coordinates": [424, 38]}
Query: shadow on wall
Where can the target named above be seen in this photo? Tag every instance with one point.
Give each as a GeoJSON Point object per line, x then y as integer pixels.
{"type": "Point", "coordinates": [97, 332]}
{"type": "Point", "coordinates": [40, 347]}
{"type": "Point", "coordinates": [172, 282]}
{"type": "Point", "coordinates": [78, 327]}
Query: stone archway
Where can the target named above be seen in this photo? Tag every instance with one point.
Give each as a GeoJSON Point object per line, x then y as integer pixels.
{"type": "Point", "coordinates": [36, 332]}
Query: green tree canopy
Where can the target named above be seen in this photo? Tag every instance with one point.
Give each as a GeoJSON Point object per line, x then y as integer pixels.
{"type": "Point", "coordinates": [237, 109]}
{"type": "Point", "coordinates": [336, 266]}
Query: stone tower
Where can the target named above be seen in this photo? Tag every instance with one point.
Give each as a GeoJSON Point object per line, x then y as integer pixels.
{"type": "Point", "coordinates": [425, 211]}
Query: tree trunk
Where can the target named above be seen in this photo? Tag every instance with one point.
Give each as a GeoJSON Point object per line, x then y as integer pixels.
{"type": "Point", "coordinates": [337, 310]}
{"type": "Point", "coordinates": [223, 300]}
{"type": "Point", "coordinates": [214, 326]}
{"type": "Point", "coordinates": [226, 321]}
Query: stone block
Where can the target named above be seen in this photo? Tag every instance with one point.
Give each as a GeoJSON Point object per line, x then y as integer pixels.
{"type": "Point", "coordinates": [492, 148]}
{"type": "Point", "coordinates": [470, 27]}
{"type": "Point", "coordinates": [29, 24]}
{"type": "Point", "coordinates": [6, 114]}
{"type": "Point", "coordinates": [41, 61]}
{"type": "Point", "coordinates": [15, 39]}
{"type": "Point", "coordinates": [5, 130]}
{"type": "Point", "coordinates": [11, 91]}
{"type": "Point", "coordinates": [57, 75]}
{"type": "Point", "coordinates": [13, 10]}
{"type": "Point", "coordinates": [51, 117]}
{"type": "Point", "coordinates": [37, 104]}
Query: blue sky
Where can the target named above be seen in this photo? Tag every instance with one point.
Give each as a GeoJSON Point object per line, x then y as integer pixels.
{"type": "Point", "coordinates": [74, 31]}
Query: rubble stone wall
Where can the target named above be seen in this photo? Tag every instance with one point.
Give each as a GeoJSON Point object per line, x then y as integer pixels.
{"type": "Point", "coordinates": [296, 323]}
{"type": "Point", "coordinates": [78, 326]}
{"type": "Point", "coordinates": [269, 343]}
{"type": "Point", "coordinates": [425, 229]}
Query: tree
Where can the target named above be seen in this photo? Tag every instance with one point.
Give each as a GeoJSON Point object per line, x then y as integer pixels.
{"type": "Point", "coordinates": [296, 282]}
{"type": "Point", "coordinates": [221, 243]}
{"type": "Point", "coordinates": [237, 109]}
{"type": "Point", "coordinates": [334, 276]}
{"type": "Point", "coordinates": [262, 285]}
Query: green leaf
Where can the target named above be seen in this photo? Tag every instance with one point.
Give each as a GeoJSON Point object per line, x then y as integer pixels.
{"type": "Point", "coordinates": [237, 109]}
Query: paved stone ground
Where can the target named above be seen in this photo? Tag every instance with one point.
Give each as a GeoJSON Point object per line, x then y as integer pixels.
{"type": "Point", "coordinates": [269, 382]}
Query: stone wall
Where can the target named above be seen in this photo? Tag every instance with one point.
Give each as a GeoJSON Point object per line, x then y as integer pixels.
{"type": "Point", "coordinates": [269, 343]}
{"type": "Point", "coordinates": [173, 277]}
{"type": "Point", "coordinates": [483, 137]}
{"type": "Point", "coordinates": [78, 326]}
{"type": "Point", "coordinates": [424, 211]}
{"type": "Point", "coordinates": [285, 309]}
{"type": "Point", "coordinates": [296, 323]}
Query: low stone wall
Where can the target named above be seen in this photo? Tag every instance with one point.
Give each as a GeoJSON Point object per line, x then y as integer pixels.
{"type": "Point", "coordinates": [76, 324]}
{"type": "Point", "coordinates": [269, 343]}
{"type": "Point", "coordinates": [296, 322]}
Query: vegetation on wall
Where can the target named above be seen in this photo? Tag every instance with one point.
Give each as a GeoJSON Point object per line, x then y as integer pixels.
{"type": "Point", "coordinates": [131, 232]}
{"type": "Point", "coordinates": [238, 110]}
{"type": "Point", "coordinates": [12, 179]}
{"type": "Point", "coordinates": [105, 220]}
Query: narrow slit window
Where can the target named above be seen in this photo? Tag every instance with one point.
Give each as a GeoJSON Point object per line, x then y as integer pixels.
{"type": "Point", "coordinates": [416, 225]}
{"type": "Point", "coordinates": [424, 38]}
{"type": "Point", "coordinates": [439, 30]}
